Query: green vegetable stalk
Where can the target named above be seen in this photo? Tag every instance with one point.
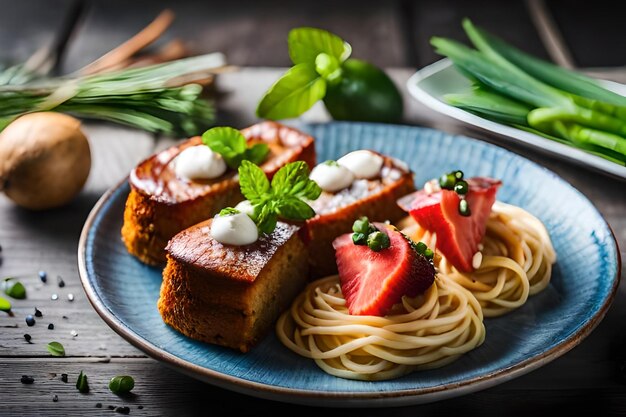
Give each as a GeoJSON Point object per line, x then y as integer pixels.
{"type": "Point", "coordinates": [351, 89]}
{"type": "Point", "coordinates": [514, 88]}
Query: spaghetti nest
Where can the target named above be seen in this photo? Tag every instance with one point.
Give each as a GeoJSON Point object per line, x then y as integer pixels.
{"type": "Point", "coordinates": [517, 258]}
{"type": "Point", "coordinates": [427, 331]}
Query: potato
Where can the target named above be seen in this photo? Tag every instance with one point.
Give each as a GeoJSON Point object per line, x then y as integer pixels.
{"type": "Point", "coordinates": [44, 160]}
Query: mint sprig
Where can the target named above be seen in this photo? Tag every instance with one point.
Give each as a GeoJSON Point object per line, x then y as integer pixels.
{"type": "Point", "coordinates": [317, 56]}
{"type": "Point", "coordinates": [233, 147]}
{"type": "Point", "coordinates": [283, 198]}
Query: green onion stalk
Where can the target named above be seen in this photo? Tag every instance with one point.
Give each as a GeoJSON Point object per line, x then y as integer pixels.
{"type": "Point", "coordinates": [163, 98]}
{"type": "Point", "coordinates": [514, 88]}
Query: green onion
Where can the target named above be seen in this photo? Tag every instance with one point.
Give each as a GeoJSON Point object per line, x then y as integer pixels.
{"type": "Point", "coordinates": [5, 305]}
{"type": "Point", "coordinates": [513, 88]}
{"type": "Point", "coordinates": [378, 241]}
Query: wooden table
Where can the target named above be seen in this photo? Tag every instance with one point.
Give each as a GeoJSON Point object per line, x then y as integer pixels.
{"type": "Point", "coordinates": [589, 378]}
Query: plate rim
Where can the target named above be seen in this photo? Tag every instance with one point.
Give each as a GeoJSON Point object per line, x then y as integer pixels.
{"type": "Point", "coordinates": [571, 154]}
{"type": "Point", "coordinates": [341, 398]}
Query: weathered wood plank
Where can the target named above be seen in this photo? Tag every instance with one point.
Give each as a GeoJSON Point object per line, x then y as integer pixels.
{"type": "Point", "coordinates": [248, 32]}
{"type": "Point", "coordinates": [34, 241]}
{"type": "Point", "coordinates": [162, 391]}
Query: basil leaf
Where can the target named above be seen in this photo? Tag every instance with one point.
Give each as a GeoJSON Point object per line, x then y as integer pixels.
{"type": "Point", "coordinates": [306, 43]}
{"type": "Point", "coordinates": [293, 208]}
{"type": "Point", "coordinates": [253, 182]}
{"type": "Point", "coordinates": [328, 67]}
{"type": "Point", "coordinates": [14, 288]}
{"type": "Point", "coordinates": [257, 153]}
{"type": "Point", "coordinates": [293, 94]}
{"type": "Point", "coordinates": [56, 349]}
{"type": "Point", "coordinates": [5, 305]}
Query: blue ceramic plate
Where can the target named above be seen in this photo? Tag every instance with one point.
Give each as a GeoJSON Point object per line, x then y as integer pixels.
{"type": "Point", "coordinates": [434, 81]}
{"type": "Point", "coordinates": [125, 292]}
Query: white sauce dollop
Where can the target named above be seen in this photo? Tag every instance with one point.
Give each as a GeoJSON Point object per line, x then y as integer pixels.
{"type": "Point", "coordinates": [234, 229]}
{"type": "Point", "coordinates": [332, 177]}
{"type": "Point", "coordinates": [245, 206]}
{"type": "Point", "coordinates": [363, 163]}
{"type": "Point", "coordinates": [199, 162]}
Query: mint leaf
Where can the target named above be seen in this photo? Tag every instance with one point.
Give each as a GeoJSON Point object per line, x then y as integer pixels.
{"type": "Point", "coordinates": [257, 153]}
{"type": "Point", "coordinates": [267, 217]}
{"type": "Point", "coordinates": [306, 43]}
{"type": "Point", "coordinates": [254, 184]}
{"type": "Point", "coordinates": [232, 145]}
{"type": "Point", "coordinates": [293, 94]}
{"type": "Point", "coordinates": [293, 208]}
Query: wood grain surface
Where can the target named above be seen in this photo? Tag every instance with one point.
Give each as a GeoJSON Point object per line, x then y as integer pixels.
{"type": "Point", "coordinates": [590, 378]}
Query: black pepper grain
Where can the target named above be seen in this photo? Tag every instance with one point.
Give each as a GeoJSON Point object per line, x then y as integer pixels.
{"type": "Point", "coordinates": [140, 407]}
{"type": "Point", "coordinates": [55, 398]}
{"type": "Point", "coordinates": [27, 379]}
{"type": "Point", "coordinates": [122, 410]}
{"type": "Point", "coordinates": [28, 337]}
{"type": "Point", "coordinates": [64, 377]}
{"type": "Point", "coordinates": [30, 320]}
{"type": "Point", "coordinates": [50, 326]}
{"type": "Point", "coordinates": [60, 281]}
{"type": "Point", "coordinates": [38, 313]}
{"type": "Point", "coordinates": [43, 276]}
{"type": "Point", "coordinates": [111, 407]}
{"type": "Point", "coordinates": [98, 405]}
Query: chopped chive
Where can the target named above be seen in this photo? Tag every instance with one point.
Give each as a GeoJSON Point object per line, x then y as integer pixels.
{"type": "Point", "coordinates": [359, 238]}
{"type": "Point", "coordinates": [447, 181]}
{"type": "Point", "coordinates": [428, 253]}
{"type": "Point", "coordinates": [461, 187]}
{"type": "Point", "coordinates": [378, 241]}
{"type": "Point", "coordinates": [361, 225]}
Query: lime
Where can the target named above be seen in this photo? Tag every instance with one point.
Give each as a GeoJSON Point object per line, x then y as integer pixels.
{"type": "Point", "coordinates": [364, 93]}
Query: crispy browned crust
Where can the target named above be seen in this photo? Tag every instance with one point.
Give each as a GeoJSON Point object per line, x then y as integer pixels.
{"type": "Point", "coordinates": [200, 300]}
{"type": "Point", "coordinates": [321, 230]}
{"type": "Point", "coordinates": [150, 220]}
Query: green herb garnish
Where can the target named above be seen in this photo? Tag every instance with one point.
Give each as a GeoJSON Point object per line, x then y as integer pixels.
{"type": "Point", "coordinates": [13, 288]}
{"type": "Point", "coordinates": [284, 197]}
{"type": "Point", "coordinates": [5, 305]}
{"type": "Point", "coordinates": [378, 241]}
{"type": "Point", "coordinates": [232, 145]}
{"type": "Point", "coordinates": [421, 248]}
{"type": "Point", "coordinates": [366, 233]}
{"type": "Point", "coordinates": [121, 384]}
{"type": "Point", "coordinates": [56, 349]}
{"type": "Point", "coordinates": [454, 181]}
{"type": "Point", "coordinates": [81, 383]}
{"type": "Point", "coordinates": [228, 211]}
{"type": "Point", "coordinates": [351, 89]}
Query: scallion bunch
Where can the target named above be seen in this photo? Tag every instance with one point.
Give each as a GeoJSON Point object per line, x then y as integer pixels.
{"type": "Point", "coordinates": [520, 90]}
{"type": "Point", "coordinates": [163, 98]}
